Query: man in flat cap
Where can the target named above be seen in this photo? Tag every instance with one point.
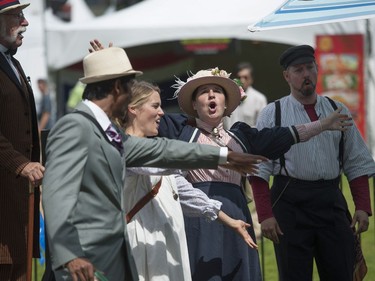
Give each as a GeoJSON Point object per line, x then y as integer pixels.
{"type": "Point", "coordinates": [305, 213]}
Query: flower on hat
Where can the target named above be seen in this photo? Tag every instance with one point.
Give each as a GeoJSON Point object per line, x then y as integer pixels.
{"type": "Point", "coordinates": [243, 93]}
{"type": "Point", "coordinates": [206, 73]}
{"type": "Point", "coordinates": [220, 72]}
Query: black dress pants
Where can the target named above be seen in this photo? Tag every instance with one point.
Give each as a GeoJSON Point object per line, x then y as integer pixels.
{"type": "Point", "coordinates": [313, 218]}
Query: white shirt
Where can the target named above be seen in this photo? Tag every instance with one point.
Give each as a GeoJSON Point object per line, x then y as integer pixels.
{"type": "Point", "coordinates": [100, 115]}
{"type": "Point", "coordinates": [248, 111]}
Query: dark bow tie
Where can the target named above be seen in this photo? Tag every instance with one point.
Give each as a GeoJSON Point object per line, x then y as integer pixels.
{"type": "Point", "coordinates": [11, 52]}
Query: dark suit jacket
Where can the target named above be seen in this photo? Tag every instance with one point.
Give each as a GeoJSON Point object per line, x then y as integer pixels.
{"type": "Point", "coordinates": [19, 144]}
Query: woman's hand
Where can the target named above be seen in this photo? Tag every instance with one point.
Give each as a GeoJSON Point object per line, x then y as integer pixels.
{"type": "Point", "coordinates": [238, 226]}
{"type": "Point", "coordinates": [336, 121]}
{"type": "Point", "coordinates": [96, 45]}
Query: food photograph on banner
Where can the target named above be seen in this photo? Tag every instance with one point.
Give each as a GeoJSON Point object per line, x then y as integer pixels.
{"type": "Point", "coordinates": [341, 72]}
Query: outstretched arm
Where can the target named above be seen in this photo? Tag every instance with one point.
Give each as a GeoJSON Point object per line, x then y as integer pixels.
{"type": "Point", "coordinates": [195, 202]}
{"type": "Point", "coordinates": [274, 141]}
{"type": "Point", "coordinates": [333, 122]}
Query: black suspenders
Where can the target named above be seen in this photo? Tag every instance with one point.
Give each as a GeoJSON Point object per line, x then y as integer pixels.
{"type": "Point", "coordinates": [278, 123]}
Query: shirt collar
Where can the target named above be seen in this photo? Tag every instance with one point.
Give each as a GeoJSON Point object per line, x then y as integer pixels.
{"type": "Point", "coordinates": [3, 49]}
{"type": "Point", "coordinates": [99, 114]}
{"type": "Point", "coordinates": [207, 127]}
{"type": "Point", "coordinates": [295, 102]}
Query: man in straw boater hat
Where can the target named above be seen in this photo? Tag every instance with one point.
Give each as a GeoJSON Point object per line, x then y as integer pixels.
{"type": "Point", "coordinates": [82, 187]}
{"type": "Point", "coordinates": [208, 96]}
{"type": "Point", "coordinates": [20, 168]}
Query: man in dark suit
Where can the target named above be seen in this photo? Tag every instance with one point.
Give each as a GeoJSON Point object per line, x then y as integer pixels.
{"type": "Point", "coordinates": [82, 187]}
{"type": "Point", "coordinates": [20, 170]}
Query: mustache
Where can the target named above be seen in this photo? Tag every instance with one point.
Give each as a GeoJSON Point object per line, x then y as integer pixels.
{"type": "Point", "coordinates": [21, 29]}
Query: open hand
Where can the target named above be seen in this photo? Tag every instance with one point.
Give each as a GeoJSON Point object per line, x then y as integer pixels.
{"type": "Point", "coordinates": [336, 121]}
{"type": "Point", "coordinates": [241, 228]}
{"type": "Point", "coordinates": [96, 45]}
{"type": "Point", "coordinates": [244, 163]}
{"type": "Point", "coordinates": [238, 226]}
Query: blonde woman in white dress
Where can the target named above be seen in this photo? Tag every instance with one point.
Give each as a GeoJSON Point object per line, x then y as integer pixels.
{"type": "Point", "coordinates": [156, 232]}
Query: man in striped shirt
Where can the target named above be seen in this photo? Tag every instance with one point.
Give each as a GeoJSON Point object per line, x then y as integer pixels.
{"type": "Point", "coordinates": [305, 213]}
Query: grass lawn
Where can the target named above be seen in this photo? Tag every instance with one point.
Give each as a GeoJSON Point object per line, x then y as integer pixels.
{"type": "Point", "coordinates": [268, 259]}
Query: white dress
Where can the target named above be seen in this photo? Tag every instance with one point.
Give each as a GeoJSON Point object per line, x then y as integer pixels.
{"type": "Point", "coordinates": [157, 232]}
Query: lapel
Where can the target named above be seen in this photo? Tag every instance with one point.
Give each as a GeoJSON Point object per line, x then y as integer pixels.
{"type": "Point", "coordinates": [110, 153]}
{"type": "Point", "coordinates": [4, 65]}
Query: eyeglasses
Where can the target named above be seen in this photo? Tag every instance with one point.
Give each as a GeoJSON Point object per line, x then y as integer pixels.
{"type": "Point", "coordinates": [20, 15]}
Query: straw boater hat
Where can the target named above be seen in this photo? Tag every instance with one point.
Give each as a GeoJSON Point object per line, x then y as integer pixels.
{"type": "Point", "coordinates": [185, 90]}
{"type": "Point", "coordinates": [7, 5]}
{"type": "Point", "coordinates": [106, 64]}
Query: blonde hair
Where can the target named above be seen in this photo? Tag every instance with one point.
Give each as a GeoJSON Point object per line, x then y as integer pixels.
{"type": "Point", "coordinates": [140, 92]}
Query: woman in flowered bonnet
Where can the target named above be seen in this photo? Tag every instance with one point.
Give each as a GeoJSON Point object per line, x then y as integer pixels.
{"type": "Point", "coordinates": [214, 250]}
{"type": "Point", "coordinates": [186, 92]}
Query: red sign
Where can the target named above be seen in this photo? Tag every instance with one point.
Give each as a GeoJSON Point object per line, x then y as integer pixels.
{"type": "Point", "coordinates": [341, 73]}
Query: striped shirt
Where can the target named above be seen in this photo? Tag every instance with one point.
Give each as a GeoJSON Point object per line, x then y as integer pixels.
{"type": "Point", "coordinates": [318, 158]}
{"type": "Point", "coordinates": [221, 174]}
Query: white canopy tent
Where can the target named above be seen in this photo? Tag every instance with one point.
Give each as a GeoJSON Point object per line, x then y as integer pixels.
{"type": "Point", "coordinates": [154, 21]}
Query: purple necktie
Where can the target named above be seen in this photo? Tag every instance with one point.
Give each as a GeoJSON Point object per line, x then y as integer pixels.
{"type": "Point", "coordinates": [116, 137]}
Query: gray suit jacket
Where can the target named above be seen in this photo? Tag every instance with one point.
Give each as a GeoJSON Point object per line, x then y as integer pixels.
{"type": "Point", "coordinates": [82, 191]}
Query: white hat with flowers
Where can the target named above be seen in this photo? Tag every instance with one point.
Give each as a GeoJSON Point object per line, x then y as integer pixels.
{"type": "Point", "coordinates": [234, 93]}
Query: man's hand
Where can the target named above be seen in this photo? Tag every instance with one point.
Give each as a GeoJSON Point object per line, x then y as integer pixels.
{"type": "Point", "coordinates": [336, 121]}
{"type": "Point", "coordinates": [81, 269]}
{"type": "Point", "coordinates": [271, 230]}
{"type": "Point", "coordinates": [34, 171]}
{"type": "Point", "coordinates": [244, 163]}
{"type": "Point", "coordinates": [360, 217]}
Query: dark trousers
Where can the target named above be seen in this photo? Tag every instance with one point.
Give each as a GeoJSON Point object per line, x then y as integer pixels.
{"type": "Point", "coordinates": [313, 218]}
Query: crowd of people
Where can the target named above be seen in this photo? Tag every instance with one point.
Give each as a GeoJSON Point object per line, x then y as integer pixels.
{"type": "Point", "coordinates": [130, 192]}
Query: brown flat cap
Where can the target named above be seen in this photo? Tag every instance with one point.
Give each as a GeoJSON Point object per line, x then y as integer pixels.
{"type": "Point", "coordinates": [297, 55]}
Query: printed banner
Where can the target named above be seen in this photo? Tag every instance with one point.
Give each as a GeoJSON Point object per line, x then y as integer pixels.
{"type": "Point", "coordinates": [341, 73]}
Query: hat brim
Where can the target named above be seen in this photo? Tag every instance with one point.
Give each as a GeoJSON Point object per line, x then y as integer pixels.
{"type": "Point", "coordinates": [232, 90]}
{"type": "Point", "coordinates": [22, 6]}
{"type": "Point", "coordinates": [99, 78]}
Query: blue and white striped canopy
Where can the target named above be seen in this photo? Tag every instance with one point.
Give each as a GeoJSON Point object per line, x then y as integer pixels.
{"type": "Point", "coordinates": [295, 13]}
